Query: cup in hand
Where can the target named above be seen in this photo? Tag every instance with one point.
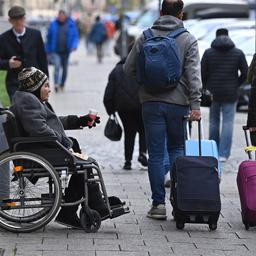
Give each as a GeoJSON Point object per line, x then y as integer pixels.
{"type": "Point", "coordinates": [92, 114]}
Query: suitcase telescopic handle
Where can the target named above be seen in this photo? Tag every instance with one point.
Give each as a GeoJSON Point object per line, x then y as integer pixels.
{"type": "Point", "coordinates": [246, 129]}
{"type": "Point", "coordinates": [186, 118]}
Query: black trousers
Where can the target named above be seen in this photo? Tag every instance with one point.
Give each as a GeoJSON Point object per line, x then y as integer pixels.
{"type": "Point", "coordinates": [132, 123]}
{"type": "Point", "coordinates": [99, 49]}
{"type": "Point", "coordinates": [75, 190]}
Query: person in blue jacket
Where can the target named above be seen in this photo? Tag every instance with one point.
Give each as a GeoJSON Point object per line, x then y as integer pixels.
{"type": "Point", "coordinates": [62, 39]}
{"type": "Point", "coordinates": [98, 36]}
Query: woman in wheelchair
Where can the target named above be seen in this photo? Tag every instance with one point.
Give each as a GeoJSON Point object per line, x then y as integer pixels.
{"type": "Point", "coordinates": [37, 118]}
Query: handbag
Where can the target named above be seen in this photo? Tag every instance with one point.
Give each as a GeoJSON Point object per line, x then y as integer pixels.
{"type": "Point", "coordinates": [113, 130]}
{"type": "Point", "coordinates": [206, 98]}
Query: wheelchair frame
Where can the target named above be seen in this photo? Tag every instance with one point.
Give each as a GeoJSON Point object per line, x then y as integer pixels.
{"type": "Point", "coordinates": [54, 168]}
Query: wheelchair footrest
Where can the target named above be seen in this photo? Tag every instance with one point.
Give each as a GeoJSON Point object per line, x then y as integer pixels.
{"type": "Point", "coordinates": [118, 210]}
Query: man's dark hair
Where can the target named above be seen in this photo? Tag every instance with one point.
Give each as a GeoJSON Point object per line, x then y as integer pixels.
{"type": "Point", "coordinates": [222, 32]}
{"type": "Point", "coordinates": [172, 7]}
{"type": "Point", "coordinates": [61, 11]}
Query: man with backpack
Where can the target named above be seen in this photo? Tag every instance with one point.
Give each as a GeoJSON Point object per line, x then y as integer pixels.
{"type": "Point", "coordinates": [165, 61]}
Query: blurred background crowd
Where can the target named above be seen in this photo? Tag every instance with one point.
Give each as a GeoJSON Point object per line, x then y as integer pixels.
{"type": "Point", "coordinates": [125, 20]}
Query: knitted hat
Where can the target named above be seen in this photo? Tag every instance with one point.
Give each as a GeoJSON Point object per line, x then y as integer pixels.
{"type": "Point", "coordinates": [31, 79]}
{"type": "Point", "coordinates": [16, 12]}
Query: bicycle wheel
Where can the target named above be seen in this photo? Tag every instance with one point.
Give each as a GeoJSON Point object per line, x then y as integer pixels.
{"type": "Point", "coordinates": [33, 193]}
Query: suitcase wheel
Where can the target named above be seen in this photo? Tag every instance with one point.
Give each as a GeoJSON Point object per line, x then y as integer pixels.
{"type": "Point", "coordinates": [180, 225]}
{"type": "Point", "coordinates": [213, 226]}
{"type": "Point", "coordinates": [247, 226]}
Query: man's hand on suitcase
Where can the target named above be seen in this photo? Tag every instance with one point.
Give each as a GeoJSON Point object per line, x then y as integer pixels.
{"type": "Point", "coordinates": [195, 115]}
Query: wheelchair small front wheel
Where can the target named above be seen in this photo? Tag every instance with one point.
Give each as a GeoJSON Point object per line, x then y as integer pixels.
{"type": "Point", "coordinates": [90, 224]}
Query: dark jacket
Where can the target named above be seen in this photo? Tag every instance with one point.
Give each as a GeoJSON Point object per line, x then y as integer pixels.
{"type": "Point", "coordinates": [251, 120]}
{"type": "Point", "coordinates": [121, 93]}
{"type": "Point", "coordinates": [98, 33]}
{"type": "Point", "coordinates": [38, 118]}
{"type": "Point", "coordinates": [31, 50]}
{"type": "Point", "coordinates": [250, 74]}
{"type": "Point", "coordinates": [52, 36]}
{"type": "Point", "coordinates": [219, 66]}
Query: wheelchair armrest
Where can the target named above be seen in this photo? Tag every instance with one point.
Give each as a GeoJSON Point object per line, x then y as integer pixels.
{"type": "Point", "coordinates": [47, 147]}
{"type": "Point", "coordinates": [25, 140]}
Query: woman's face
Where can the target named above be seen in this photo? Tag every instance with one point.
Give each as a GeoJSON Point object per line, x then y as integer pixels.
{"type": "Point", "coordinates": [45, 91]}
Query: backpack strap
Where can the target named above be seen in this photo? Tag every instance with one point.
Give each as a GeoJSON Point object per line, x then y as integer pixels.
{"type": "Point", "coordinates": [148, 34]}
{"type": "Point", "coordinates": [177, 32]}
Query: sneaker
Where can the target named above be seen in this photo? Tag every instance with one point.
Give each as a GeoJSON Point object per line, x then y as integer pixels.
{"type": "Point", "coordinates": [223, 159]}
{"type": "Point", "coordinates": [157, 212]}
{"type": "Point", "coordinates": [127, 165]}
{"type": "Point", "coordinates": [70, 221]}
{"type": "Point", "coordinates": [143, 159]}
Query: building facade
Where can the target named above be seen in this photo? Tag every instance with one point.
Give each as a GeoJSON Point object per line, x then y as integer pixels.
{"type": "Point", "coordinates": [51, 5]}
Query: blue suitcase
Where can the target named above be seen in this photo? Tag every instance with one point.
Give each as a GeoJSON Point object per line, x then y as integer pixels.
{"type": "Point", "coordinates": [195, 194]}
{"type": "Point", "coordinates": [208, 148]}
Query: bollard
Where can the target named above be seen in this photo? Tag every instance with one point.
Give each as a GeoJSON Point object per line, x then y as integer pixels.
{"type": "Point", "coordinates": [4, 169]}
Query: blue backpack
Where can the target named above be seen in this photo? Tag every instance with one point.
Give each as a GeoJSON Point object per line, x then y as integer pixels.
{"type": "Point", "coordinates": [159, 66]}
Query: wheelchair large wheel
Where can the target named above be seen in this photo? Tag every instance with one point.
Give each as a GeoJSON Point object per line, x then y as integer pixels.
{"type": "Point", "coordinates": [32, 193]}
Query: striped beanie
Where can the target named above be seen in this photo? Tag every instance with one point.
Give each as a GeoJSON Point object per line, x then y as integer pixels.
{"type": "Point", "coordinates": [31, 79]}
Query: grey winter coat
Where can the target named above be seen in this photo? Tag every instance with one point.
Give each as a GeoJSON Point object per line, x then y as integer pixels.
{"type": "Point", "coordinates": [37, 119]}
{"type": "Point", "coordinates": [188, 90]}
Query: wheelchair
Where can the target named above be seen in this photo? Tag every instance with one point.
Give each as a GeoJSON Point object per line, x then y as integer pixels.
{"type": "Point", "coordinates": [36, 171]}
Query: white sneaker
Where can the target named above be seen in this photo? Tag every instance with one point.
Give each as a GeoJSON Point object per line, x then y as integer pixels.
{"type": "Point", "coordinates": [223, 159]}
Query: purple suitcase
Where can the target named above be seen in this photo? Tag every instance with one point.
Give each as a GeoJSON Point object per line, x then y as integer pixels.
{"type": "Point", "coordinates": [246, 183]}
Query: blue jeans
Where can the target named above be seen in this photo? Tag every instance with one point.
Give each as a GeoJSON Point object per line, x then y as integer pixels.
{"type": "Point", "coordinates": [223, 138]}
{"type": "Point", "coordinates": [163, 124]}
{"type": "Point", "coordinates": [60, 61]}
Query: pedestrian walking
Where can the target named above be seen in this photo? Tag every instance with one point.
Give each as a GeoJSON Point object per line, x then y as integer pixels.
{"type": "Point", "coordinates": [20, 47]}
{"type": "Point", "coordinates": [220, 66]}
{"type": "Point", "coordinates": [98, 35]}
{"type": "Point", "coordinates": [251, 118]}
{"type": "Point", "coordinates": [110, 28]}
{"type": "Point", "coordinates": [62, 39]}
{"type": "Point", "coordinates": [164, 104]}
{"type": "Point", "coordinates": [87, 25]}
{"type": "Point", "coordinates": [121, 95]}
{"type": "Point", "coordinates": [251, 70]}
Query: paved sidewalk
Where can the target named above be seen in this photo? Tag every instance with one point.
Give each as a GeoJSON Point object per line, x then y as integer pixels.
{"type": "Point", "coordinates": [132, 234]}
